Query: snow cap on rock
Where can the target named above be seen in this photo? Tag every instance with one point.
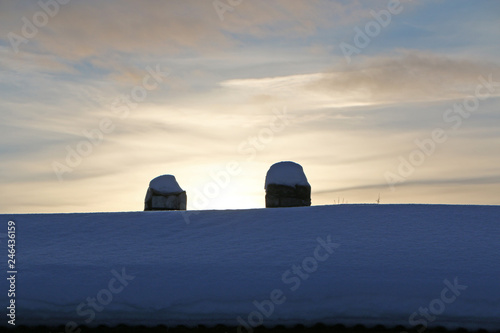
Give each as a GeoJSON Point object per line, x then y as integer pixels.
{"type": "Point", "coordinates": [286, 173]}
{"type": "Point", "coordinates": [165, 184]}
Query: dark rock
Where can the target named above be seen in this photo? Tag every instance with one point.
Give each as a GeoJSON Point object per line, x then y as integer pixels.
{"type": "Point", "coordinates": [288, 196]}
{"type": "Point", "coordinates": [287, 186]}
{"type": "Point", "coordinates": [164, 193]}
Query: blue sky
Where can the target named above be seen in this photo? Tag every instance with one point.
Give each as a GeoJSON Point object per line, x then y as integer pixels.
{"type": "Point", "coordinates": [267, 83]}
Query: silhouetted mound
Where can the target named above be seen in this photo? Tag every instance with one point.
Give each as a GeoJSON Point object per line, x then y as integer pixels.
{"type": "Point", "coordinates": [317, 266]}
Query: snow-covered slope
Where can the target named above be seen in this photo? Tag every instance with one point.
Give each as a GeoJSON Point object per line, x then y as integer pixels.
{"type": "Point", "coordinates": [369, 264]}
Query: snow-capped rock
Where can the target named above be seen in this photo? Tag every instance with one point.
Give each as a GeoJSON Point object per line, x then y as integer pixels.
{"type": "Point", "coordinates": [287, 186]}
{"type": "Point", "coordinates": [164, 193]}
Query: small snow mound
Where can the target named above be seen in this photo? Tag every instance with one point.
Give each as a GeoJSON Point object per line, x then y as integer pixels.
{"type": "Point", "coordinates": [165, 184]}
{"type": "Point", "coordinates": [286, 173]}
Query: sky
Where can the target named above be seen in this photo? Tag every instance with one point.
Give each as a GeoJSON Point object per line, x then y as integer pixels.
{"type": "Point", "coordinates": [389, 101]}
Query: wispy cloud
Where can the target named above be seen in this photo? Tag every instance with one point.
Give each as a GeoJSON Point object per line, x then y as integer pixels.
{"type": "Point", "coordinates": [407, 76]}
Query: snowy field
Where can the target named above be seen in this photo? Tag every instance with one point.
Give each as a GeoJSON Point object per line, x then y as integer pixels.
{"type": "Point", "coordinates": [433, 265]}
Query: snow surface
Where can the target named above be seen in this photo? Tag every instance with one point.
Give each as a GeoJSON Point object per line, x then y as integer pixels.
{"type": "Point", "coordinates": [166, 184]}
{"type": "Point", "coordinates": [286, 173]}
{"type": "Point", "coordinates": [386, 262]}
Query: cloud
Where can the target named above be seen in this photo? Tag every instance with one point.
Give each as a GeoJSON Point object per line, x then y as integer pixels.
{"type": "Point", "coordinates": [424, 183]}
{"type": "Point", "coordinates": [116, 39]}
{"type": "Point", "coordinates": [407, 76]}
{"type": "Point", "coordinates": [96, 28]}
